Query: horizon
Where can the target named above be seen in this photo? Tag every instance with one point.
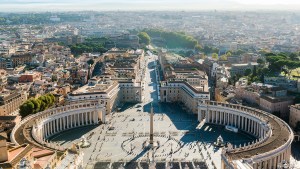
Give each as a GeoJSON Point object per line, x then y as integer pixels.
{"type": "Point", "coordinates": [146, 5]}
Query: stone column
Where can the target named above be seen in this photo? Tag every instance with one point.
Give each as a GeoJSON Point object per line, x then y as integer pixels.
{"type": "Point", "coordinates": [199, 115]}
{"type": "Point", "coordinates": [43, 132]}
{"type": "Point", "coordinates": [250, 126]}
{"type": "Point", "coordinates": [74, 120]}
{"type": "Point", "coordinates": [49, 129]}
{"type": "Point", "coordinates": [90, 117]}
{"type": "Point", "coordinates": [71, 121]}
{"type": "Point", "coordinates": [67, 122]}
{"type": "Point", "coordinates": [96, 117]}
{"type": "Point", "coordinates": [60, 122]}
{"type": "Point", "coordinates": [46, 128]}
{"type": "Point", "coordinates": [224, 118]}
{"type": "Point", "coordinates": [242, 122]}
{"type": "Point", "coordinates": [86, 118]}
{"type": "Point", "coordinates": [79, 119]}
{"type": "Point", "coordinates": [64, 122]}
{"type": "Point", "coordinates": [245, 123]}
{"type": "Point", "coordinates": [57, 125]}
{"type": "Point", "coordinates": [221, 117]}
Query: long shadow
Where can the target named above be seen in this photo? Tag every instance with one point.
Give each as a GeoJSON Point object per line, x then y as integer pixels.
{"type": "Point", "coordinates": [141, 154]}
{"type": "Point", "coordinates": [209, 133]}
{"type": "Point", "coordinates": [187, 121]}
{"type": "Point", "coordinates": [126, 106]}
{"type": "Point", "coordinates": [72, 134]}
{"type": "Point", "coordinates": [296, 150]}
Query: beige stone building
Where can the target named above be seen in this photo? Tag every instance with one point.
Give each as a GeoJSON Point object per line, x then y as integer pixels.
{"type": "Point", "coordinates": [102, 89]}
{"type": "Point", "coordinates": [277, 103]}
{"type": "Point", "coordinates": [294, 115]}
{"type": "Point", "coordinates": [248, 94]}
{"type": "Point", "coordinates": [120, 80]}
{"type": "Point", "coordinates": [10, 101]}
{"type": "Point", "coordinates": [181, 91]}
{"type": "Point", "coordinates": [184, 82]}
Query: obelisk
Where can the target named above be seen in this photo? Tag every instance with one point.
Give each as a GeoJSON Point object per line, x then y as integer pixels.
{"type": "Point", "coordinates": [151, 126]}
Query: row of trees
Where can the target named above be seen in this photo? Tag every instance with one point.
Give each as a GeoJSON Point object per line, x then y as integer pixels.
{"type": "Point", "coordinates": [90, 45]}
{"type": "Point", "coordinates": [280, 60]}
{"type": "Point", "coordinates": [37, 18]}
{"type": "Point", "coordinates": [33, 106]}
{"type": "Point", "coordinates": [222, 57]}
{"type": "Point", "coordinates": [174, 39]}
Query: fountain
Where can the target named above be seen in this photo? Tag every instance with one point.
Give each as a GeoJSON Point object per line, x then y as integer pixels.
{"type": "Point", "coordinates": [84, 143]}
{"type": "Point", "coordinates": [219, 142]}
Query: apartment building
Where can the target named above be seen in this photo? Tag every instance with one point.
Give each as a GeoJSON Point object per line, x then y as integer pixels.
{"type": "Point", "coordinates": [21, 59]}
{"type": "Point", "coordinates": [10, 101]}
{"type": "Point", "coordinates": [29, 77]}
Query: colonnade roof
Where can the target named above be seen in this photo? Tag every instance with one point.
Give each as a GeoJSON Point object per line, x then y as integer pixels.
{"type": "Point", "coordinates": [281, 133]}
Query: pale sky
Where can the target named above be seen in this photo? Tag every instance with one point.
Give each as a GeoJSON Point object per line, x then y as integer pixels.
{"type": "Point", "coordinates": [268, 2]}
{"type": "Point", "coordinates": [68, 5]}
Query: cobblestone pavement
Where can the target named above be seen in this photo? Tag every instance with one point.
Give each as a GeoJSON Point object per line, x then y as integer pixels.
{"type": "Point", "coordinates": [177, 134]}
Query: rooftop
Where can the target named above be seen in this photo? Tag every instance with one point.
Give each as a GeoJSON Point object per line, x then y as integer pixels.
{"type": "Point", "coordinates": [100, 87]}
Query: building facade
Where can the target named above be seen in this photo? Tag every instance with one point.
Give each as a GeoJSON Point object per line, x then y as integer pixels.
{"type": "Point", "coordinates": [180, 91]}
{"type": "Point", "coordinates": [10, 102]}
{"type": "Point", "coordinates": [294, 115]}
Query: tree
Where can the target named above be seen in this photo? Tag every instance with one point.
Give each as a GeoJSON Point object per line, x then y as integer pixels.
{"type": "Point", "coordinates": [26, 109]}
{"type": "Point", "coordinates": [33, 106]}
{"type": "Point", "coordinates": [294, 57]}
{"type": "Point", "coordinates": [260, 61]}
{"type": "Point", "coordinates": [90, 62]}
{"type": "Point", "coordinates": [247, 72]}
{"type": "Point", "coordinates": [144, 38]}
{"type": "Point", "coordinates": [254, 72]}
{"type": "Point", "coordinates": [223, 57]}
{"type": "Point", "coordinates": [37, 105]}
{"type": "Point", "coordinates": [228, 54]}
{"type": "Point", "coordinates": [215, 56]}
{"type": "Point", "coordinates": [198, 47]}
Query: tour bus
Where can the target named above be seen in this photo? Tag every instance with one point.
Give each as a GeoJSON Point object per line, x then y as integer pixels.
{"type": "Point", "coordinates": [231, 128]}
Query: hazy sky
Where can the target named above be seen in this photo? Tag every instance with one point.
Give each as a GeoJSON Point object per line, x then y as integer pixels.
{"type": "Point", "coordinates": [52, 5]}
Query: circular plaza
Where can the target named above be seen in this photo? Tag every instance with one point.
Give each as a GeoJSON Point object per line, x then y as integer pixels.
{"type": "Point", "coordinates": [178, 136]}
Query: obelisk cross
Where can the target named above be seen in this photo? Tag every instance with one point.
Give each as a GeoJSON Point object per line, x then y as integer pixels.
{"type": "Point", "coordinates": [151, 126]}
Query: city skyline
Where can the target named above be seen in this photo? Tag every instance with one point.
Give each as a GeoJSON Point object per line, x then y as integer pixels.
{"type": "Point", "coordinates": [103, 5]}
